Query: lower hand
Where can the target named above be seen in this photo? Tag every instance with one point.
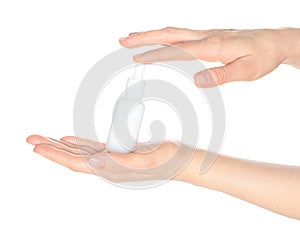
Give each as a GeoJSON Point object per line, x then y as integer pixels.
{"type": "Point", "coordinates": [86, 156]}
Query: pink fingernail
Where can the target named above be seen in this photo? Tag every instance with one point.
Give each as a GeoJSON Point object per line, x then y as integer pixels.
{"type": "Point", "coordinates": [204, 79]}
{"type": "Point", "coordinates": [201, 79]}
{"type": "Point", "coordinates": [133, 33]}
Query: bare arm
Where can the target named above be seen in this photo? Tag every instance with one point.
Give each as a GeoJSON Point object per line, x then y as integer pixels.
{"type": "Point", "coordinates": [271, 186]}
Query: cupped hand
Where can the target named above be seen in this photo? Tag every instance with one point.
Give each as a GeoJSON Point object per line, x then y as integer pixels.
{"type": "Point", "coordinates": [161, 162]}
{"type": "Point", "coordinates": [245, 54]}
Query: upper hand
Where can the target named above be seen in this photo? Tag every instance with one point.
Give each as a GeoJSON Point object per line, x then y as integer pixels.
{"type": "Point", "coordinates": [245, 54]}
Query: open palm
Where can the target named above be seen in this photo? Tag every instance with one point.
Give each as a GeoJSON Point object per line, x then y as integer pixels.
{"type": "Point", "coordinates": [87, 156]}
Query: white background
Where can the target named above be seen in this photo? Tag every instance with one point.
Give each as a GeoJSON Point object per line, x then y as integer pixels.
{"type": "Point", "coordinates": [46, 48]}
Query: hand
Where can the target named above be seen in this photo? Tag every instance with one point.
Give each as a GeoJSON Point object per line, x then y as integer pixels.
{"type": "Point", "coordinates": [86, 156]}
{"type": "Point", "coordinates": [246, 54]}
{"type": "Point", "coordinates": [247, 180]}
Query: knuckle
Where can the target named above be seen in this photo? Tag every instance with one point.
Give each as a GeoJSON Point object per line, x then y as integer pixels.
{"type": "Point", "coordinates": [217, 39]}
{"type": "Point", "coordinates": [220, 75]}
{"type": "Point", "coordinates": [168, 30]}
{"type": "Point", "coordinates": [221, 37]}
{"type": "Point", "coordinates": [216, 45]}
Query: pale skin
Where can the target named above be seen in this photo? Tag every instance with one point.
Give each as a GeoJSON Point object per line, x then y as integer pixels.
{"type": "Point", "coordinates": [246, 55]}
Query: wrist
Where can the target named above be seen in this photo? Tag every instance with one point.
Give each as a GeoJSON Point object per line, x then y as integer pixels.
{"type": "Point", "coordinates": [191, 173]}
{"type": "Point", "coordinates": [290, 44]}
{"type": "Point", "coordinates": [213, 178]}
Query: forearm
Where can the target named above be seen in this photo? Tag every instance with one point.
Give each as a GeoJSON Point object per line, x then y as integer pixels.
{"type": "Point", "coordinates": [271, 186]}
{"type": "Point", "coordinates": [290, 44]}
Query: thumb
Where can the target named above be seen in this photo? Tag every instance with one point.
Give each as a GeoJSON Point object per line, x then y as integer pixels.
{"type": "Point", "coordinates": [235, 71]}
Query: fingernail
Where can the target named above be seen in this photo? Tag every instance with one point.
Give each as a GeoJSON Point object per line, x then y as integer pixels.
{"type": "Point", "coordinates": [133, 33]}
{"type": "Point", "coordinates": [96, 163]}
{"type": "Point", "coordinates": [203, 79]}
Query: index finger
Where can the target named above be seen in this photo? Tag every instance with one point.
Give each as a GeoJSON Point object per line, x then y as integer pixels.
{"type": "Point", "coordinates": [168, 35]}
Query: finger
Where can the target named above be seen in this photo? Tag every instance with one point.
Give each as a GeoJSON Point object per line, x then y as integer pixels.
{"type": "Point", "coordinates": [236, 71]}
{"type": "Point", "coordinates": [163, 54]}
{"type": "Point", "coordinates": [38, 139]}
{"type": "Point", "coordinates": [168, 35]}
{"type": "Point", "coordinates": [133, 160]}
{"type": "Point", "coordinates": [34, 139]}
{"type": "Point", "coordinates": [75, 149]}
{"type": "Point", "coordinates": [81, 149]}
{"type": "Point", "coordinates": [204, 50]}
{"type": "Point", "coordinates": [98, 146]}
{"type": "Point", "coordinates": [74, 162]}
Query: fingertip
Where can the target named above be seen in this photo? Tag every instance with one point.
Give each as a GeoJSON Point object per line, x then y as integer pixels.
{"type": "Point", "coordinates": [133, 40]}
{"type": "Point", "coordinates": [37, 148]}
{"type": "Point", "coordinates": [200, 79]}
{"type": "Point", "coordinates": [33, 139]}
{"type": "Point", "coordinates": [204, 79]}
{"type": "Point", "coordinates": [122, 41]}
{"type": "Point", "coordinates": [70, 139]}
{"type": "Point", "coordinates": [140, 58]}
{"type": "Point", "coordinates": [29, 139]}
{"type": "Point", "coordinates": [127, 41]}
{"type": "Point", "coordinates": [130, 35]}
